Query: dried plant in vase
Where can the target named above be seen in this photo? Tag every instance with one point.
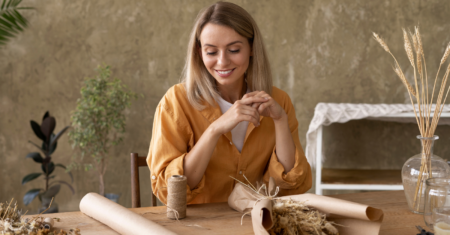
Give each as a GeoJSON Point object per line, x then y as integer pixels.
{"type": "Point", "coordinates": [427, 109]}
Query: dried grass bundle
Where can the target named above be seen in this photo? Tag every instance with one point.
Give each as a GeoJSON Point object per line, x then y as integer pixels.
{"type": "Point", "coordinates": [12, 223]}
{"type": "Point", "coordinates": [426, 120]}
{"type": "Point", "coordinates": [292, 217]}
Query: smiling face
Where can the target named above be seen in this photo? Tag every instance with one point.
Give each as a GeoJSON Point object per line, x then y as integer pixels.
{"type": "Point", "coordinates": [225, 53]}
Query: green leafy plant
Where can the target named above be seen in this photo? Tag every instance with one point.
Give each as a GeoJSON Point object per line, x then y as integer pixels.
{"type": "Point", "coordinates": [11, 21]}
{"type": "Point", "coordinates": [48, 146]}
{"type": "Point", "coordinates": [99, 120]}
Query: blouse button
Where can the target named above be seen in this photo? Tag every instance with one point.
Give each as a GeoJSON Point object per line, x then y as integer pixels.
{"type": "Point", "coordinates": [240, 172]}
{"type": "Point", "coordinates": [231, 143]}
{"type": "Point", "coordinates": [153, 177]}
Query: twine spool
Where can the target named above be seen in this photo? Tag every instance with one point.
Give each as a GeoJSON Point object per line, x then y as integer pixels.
{"type": "Point", "coordinates": [176, 197]}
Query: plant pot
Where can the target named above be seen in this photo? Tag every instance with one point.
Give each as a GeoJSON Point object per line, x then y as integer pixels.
{"type": "Point", "coordinates": [416, 171]}
{"type": "Point", "coordinates": [113, 197]}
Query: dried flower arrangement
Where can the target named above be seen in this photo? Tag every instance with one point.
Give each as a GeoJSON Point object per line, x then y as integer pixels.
{"type": "Point", "coordinates": [420, 98]}
{"type": "Point", "coordinates": [292, 217]}
{"type": "Point", "coordinates": [12, 222]}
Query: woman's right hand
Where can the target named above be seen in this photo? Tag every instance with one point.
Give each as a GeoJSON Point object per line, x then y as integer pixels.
{"type": "Point", "coordinates": [241, 110]}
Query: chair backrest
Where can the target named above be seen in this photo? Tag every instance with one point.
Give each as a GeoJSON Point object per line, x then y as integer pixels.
{"type": "Point", "coordinates": [136, 162]}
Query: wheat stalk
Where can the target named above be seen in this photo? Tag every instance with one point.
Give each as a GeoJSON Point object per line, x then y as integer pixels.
{"type": "Point", "coordinates": [446, 53]}
{"type": "Point", "coordinates": [444, 58]}
{"type": "Point", "coordinates": [408, 48]}
{"type": "Point", "coordinates": [420, 68]}
{"type": "Point", "coordinates": [381, 42]}
{"type": "Point", "coordinates": [397, 69]}
{"type": "Point", "coordinates": [410, 54]}
{"type": "Point", "coordinates": [402, 77]}
{"type": "Point", "coordinates": [417, 50]}
{"type": "Point", "coordinates": [420, 72]}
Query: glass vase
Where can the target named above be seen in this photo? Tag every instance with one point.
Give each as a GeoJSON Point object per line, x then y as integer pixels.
{"type": "Point", "coordinates": [436, 196]}
{"type": "Point", "coordinates": [418, 169]}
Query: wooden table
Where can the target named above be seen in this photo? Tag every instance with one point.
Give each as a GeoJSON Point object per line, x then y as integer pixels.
{"type": "Point", "coordinates": [218, 218]}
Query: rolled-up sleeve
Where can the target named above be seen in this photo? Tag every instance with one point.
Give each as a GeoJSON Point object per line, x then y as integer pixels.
{"type": "Point", "coordinates": [172, 138]}
{"type": "Point", "coordinates": [299, 178]}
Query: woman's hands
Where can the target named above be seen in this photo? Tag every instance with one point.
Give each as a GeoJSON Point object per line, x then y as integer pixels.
{"type": "Point", "coordinates": [242, 110]}
{"type": "Point", "coordinates": [285, 146]}
{"type": "Point", "coordinates": [249, 108]}
{"type": "Point", "coordinates": [270, 108]}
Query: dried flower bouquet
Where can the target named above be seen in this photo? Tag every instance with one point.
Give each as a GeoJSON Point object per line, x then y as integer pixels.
{"type": "Point", "coordinates": [12, 222]}
{"type": "Point", "coordinates": [427, 119]}
{"type": "Point", "coordinates": [292, 217]}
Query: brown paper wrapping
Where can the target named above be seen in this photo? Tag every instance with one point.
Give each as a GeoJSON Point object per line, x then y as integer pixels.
{"type": "Point", "coordinates": [118, 217]}
{"type": "Point", "coordinates": [356, 219]}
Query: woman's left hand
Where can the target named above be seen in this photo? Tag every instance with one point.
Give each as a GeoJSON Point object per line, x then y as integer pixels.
{"type": "Point", "coordinates": [268, 109]}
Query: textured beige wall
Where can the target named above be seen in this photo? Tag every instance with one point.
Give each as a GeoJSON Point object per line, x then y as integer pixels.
{"type": "Point", "coordinates": [320, 51]}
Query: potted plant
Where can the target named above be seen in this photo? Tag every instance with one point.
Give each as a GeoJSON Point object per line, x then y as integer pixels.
{"type": "Point", "coordinates": [48, 146]}
{"type": "Point", "coordinates": [99, 120]}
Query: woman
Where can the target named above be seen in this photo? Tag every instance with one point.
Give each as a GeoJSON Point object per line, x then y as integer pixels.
{"type": "Point", "coordinates": [226, 119]}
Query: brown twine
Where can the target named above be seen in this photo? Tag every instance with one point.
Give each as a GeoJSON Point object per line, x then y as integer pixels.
{"type": "Point", "coordinates": [176, 197]}
{"type": "Point", "coordinates": [175, 212]}
{"type": "Point", "coordinates": [168, 207]}
{"type": "Point", "coordinates": [172, 210]}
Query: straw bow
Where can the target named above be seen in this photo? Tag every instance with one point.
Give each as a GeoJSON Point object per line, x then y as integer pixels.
{"type": "Point", "coordinates": [257, 194]}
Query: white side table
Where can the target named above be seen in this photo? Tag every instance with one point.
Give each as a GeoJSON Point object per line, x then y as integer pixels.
{"type": "Point", "coordinates": [320, 186]}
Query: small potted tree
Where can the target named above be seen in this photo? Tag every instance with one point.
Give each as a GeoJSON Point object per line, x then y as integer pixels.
{"type": "Point", "coordinates": [99, 120]}
{"type": "Point", "coordinates": [48, 146]}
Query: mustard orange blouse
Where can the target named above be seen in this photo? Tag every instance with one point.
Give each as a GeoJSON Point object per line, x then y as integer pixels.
{"type": "Point", "coordinates": [178, 126]}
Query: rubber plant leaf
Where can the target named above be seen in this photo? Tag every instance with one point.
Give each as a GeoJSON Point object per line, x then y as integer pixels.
{"type": "Point", "coordinates": [67, 184]}
{"type": "Point", "coordinates": [47, 127]}
{"type": "Point", "coordinates": [44, 146]}
{"type": "Point", "coordinates": [46, 115]}
{"type": "Point", "coordinates": [56, 137]}
{"type": "Point", "coordinates": [50, 166]}
{"type": "Point", "coordinates": [52, 148]}
{"type": "Point", "coordinates": [30, 196]}
{"type": "Point", "coordinates": [64, 167]}
{"type": "Point", "coordinates": [37, 130]}
{"type": "Point", "coordinates": [36, 157]}
{"type": "Point", "coordinates": [52, 191]}
{"type": "Point", "coordinates": [30, 177]}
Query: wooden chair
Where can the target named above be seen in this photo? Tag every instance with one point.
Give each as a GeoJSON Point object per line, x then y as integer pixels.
{"type": "Point", "coordinates": [136, 162]}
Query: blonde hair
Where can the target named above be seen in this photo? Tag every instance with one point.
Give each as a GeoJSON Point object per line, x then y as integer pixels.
{"type": "Point", "coordinates": [199, 83]}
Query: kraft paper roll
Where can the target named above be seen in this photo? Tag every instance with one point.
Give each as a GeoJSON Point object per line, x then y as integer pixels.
{"type": "Point", "coordinates": [118, 217]}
